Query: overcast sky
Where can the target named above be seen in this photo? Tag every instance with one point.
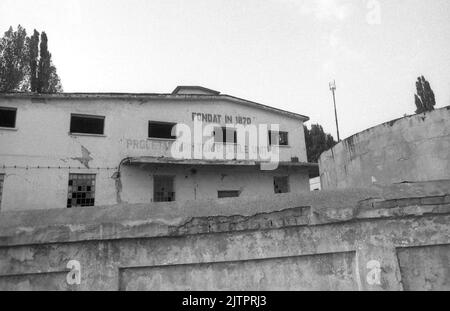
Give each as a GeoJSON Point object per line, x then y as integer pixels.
{"type": "Point", "coordinates": [281, 53]}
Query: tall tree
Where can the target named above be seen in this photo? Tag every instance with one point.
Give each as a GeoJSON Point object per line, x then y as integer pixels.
{"type": "Point", "coordinates": [33, 54]}
{"type": "Point", "coordinates": [26, 63]}
{"type": "Point", "coordinates": [424, 99]}
{"type": "Point", "coordinates": [317, 141]}
{"type": "Point", "coordinates": [13, 61]}
{"type": "Point", "coordinates": [44, 65]}
{"type": "Point", "coordinates": [48, 80]}
{"type": "Point", "coordinates": [54, 83]}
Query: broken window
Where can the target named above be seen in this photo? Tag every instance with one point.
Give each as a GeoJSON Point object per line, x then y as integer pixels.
{"type": "Point", "coordinates": [160, 130]}
{"type": "Point", "coordinates": [228, 194]}
{"type": "Point", "coordinates": [81, 190]}
{"type": "Point", "coordinates": [86, 124]}
{"type": "Point", "coordinates": [278, 138]}
{"type": "Point", "coordinates": [225, 135]}
{"type": "Point", "coordinates": [281, 184]}
{"type": "Point", "coordinates": [8, 117]}
{"type": "Point", "coordinates": [2, 178]}
{"type": "Point", "coordinates": [163, 189]}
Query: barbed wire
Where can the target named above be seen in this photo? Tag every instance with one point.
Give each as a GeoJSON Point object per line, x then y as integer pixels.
{"type": "Point", "coordinates": [55, 167]}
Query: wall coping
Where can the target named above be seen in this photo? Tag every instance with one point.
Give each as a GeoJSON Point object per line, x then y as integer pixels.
{"type": "Point", "coordinates": [349, 140]}
{"type": "Point", "coordinates": [227, 215]}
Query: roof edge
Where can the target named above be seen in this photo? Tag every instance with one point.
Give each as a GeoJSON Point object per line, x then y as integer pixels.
{"type": "Point", "coordinates": [149, 96]}
{"type": "Point", "coordinates": [194, 87]}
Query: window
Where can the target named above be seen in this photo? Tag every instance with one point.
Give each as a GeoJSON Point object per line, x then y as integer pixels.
{"type": "Point", "coordinates": [228, 194]}
{"type": "Point", "coordinates": [2, 178]}
{"type": "Point", "coordinates": [163, 189]}
{"type": "Point", "coordinates": [8, 117]}
{"type": "Point", "coordinates": [160, 130]}
{"type": "Point", "coordinates": [229, 135]}
{"type": "Point", "coordinates": [81, 190]}
{"type": "Point", "coordinates": [85, 124]}
{"type": "Point", "coordinates": [281, 184]}
{"type": "Point", "coordinates": [279, 138]}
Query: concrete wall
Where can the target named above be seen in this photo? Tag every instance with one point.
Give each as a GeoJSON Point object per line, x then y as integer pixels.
{"type": "Point", "coordinates": [205, 182]}
{"type": "Point", "coordinates": [414, 148]}
{"type": "Point", "coordinates": [40, 153]}
{"type": "Point", "coordinates": [314, 184]}
{"type": "Point", "coordinates": [393, 238]}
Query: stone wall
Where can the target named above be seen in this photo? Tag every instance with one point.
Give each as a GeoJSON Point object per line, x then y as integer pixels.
{"type": "Point", "coordinates": [385, 238]}
{"type": "Point", "coordinates": [411, 149]}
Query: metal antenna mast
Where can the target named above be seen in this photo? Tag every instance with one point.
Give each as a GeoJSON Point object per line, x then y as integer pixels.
{"type": "Point", "coordinates": [333, 90]}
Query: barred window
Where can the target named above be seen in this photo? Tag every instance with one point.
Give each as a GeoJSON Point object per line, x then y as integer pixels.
{"type": "Point", "coordinates": [81, 190]}
{"type": "Point", "coordinates": [163, 189]}
{"type": "Point", "coordinates": [281, 184]}
{"type": "Point", "coordinates": [225, 135]}
{"type": "Point", "coordinates": [2, 178]}
{"type": "Point", "coordinates": [85, 124]}
{"type": "Point", "coordinates": [278, 138]}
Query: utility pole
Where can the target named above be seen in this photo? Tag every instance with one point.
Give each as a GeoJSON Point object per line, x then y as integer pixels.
{"type": "Point", "coordinates": [333, 89]}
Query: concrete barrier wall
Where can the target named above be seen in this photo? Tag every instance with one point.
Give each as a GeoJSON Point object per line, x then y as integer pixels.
{"type": "Point", "coordinates": [393, 238]}
{"type": "Point", "coordinates": [414, 148]}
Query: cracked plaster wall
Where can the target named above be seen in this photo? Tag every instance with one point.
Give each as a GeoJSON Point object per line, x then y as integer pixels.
{"type": "Point", "coordinates": [414, 148]}
{"type": "Point", "coordinates": [321, 241]}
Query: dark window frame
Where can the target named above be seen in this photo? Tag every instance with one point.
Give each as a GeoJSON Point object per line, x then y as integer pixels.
{"type": "Point", "coordinates": [223, 194]}
{"type": "Point", "coordinates": [87, 116]}
{"type": "Point", "coordinates": [2, 183]}
{"type": "Point", "coordinates": [280, 143]}
{"type": "Point", "coordinates": [225, 129]}
{"type": "Point", "coordinates": [288, 187]}
{"type": "Point", "coordinates": [161, 123]}
{"type": "Point", "coordinates": [84, 197]}
{"type": "Point", "coordinates": [14, 109]}
{"type": "Point", "coordinates": [166, 196]}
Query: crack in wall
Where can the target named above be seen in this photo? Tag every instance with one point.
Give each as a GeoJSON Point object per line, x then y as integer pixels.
{"type": "Point", "coordinates": [266, 220]}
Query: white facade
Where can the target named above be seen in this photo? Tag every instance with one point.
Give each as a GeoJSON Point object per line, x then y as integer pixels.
{"type": "Point", "coordinates": [315, 184]}
{"type": "Point", "coordinates": [39, 152]}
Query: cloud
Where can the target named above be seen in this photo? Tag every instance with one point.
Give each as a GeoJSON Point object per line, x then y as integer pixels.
{"type": "Point", "coordinates": [324, 10]}
{"type": "Point", "coordinates": [340, 52]}
{"type": "Point", "coordinates": [327, 10]}
{"type": "Point", "coordinates": [337, 44]}
{"type": "Point", "coordinates": [73, 7]}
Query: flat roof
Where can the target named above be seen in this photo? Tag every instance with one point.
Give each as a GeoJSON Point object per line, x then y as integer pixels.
{"type": "Point", "coordinates": [214, 95]}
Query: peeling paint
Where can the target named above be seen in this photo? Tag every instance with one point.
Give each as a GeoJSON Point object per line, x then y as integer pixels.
{"type": "Point", "coordinates": [326, 244]}
{"type": "Point", "coordinates": [85, 157]}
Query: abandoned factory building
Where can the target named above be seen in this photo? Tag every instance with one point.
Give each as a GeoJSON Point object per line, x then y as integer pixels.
{"type": "Point", "coordinates": [71, 150]}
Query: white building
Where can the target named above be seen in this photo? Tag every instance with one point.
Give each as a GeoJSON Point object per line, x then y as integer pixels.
{"type": "Point", "coordinates": [77, 149]}
{"type": "Point", "coordinates": [315, 184]}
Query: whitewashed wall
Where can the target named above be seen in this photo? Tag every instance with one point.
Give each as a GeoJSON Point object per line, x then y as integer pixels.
{"type": "Point", "coordinates": [42, 138]}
